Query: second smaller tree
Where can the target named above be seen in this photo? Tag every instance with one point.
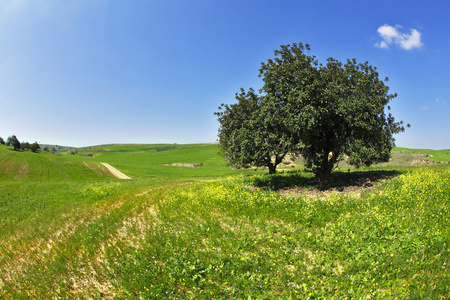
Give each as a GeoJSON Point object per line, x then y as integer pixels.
{"type": "Point", "coordinates": [251, 133]}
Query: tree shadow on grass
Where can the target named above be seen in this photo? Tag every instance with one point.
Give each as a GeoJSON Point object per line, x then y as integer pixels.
{"type": "Point", "coordinates": [339, 181]}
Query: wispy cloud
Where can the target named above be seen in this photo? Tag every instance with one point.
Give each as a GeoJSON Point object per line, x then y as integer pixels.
{"type": "Point", "coordinates": [393, 35]}
{"type": "Point", "coordinates": [437, 104]}
{"type": "Point", "coordinates": [440, 100]}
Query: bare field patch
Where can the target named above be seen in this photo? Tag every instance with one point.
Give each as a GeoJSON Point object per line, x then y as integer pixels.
{"type": "Point", "coordinates": [187, 165]}
{"type": "Point", "coordinates": [116, 173]}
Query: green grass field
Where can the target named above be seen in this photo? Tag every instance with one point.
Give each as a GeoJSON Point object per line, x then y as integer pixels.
{"type": "Point", "coordinates": [68, 229]}
{"type": "Point", "coordinates": [145, 161]}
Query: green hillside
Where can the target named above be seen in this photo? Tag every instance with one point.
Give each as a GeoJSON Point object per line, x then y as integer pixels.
{"type": "Point", "coordinates": [150, 161]}
{"type": "Point", "coordinates": [136, 161]}
{"type": "Point", "coordinates": [436, 155]}
{"type": "Point", "coordinates": [44, 166]}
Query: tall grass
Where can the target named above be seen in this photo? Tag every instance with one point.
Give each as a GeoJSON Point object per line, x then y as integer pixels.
{"type": "Point", "coordinates": [53, 234]}
{"type": "Point", "coordinates": [220, 240]}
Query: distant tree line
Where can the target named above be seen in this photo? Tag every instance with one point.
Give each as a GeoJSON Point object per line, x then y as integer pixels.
{"type": "Point", "coordinates": [14, 142]}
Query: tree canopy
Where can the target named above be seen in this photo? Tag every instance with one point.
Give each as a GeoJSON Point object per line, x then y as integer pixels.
{"type": "Point", "coordinates": [13, 141]}
{"type": "Point", "coordinates": [35, 147]}
{"type": "Point", "coordinates": [323, 112]}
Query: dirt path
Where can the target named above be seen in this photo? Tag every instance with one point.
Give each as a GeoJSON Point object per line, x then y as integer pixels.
{"type": "Point", "coordinates": [115, 172]}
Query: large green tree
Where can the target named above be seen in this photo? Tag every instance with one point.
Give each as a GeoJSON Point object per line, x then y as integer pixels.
{"type": "Point", "coordinates": [324, 112]}
{"type": "Point", "coordinates": [334, 110]}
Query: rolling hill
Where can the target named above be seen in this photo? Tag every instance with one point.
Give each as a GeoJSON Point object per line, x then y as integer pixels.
{"type": "Point", "coordinates": [44, 166]}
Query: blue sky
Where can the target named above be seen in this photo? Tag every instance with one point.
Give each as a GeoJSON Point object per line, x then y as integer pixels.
{"type": "Point", "coordinates": [82, 73]}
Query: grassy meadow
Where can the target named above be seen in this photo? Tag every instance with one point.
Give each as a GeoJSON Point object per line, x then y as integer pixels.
{"type": "Point", "coordinates": [70, 230]}
{"type": "Point", "coordinates": [151, 161]}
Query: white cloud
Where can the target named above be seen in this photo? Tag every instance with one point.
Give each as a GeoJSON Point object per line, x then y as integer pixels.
{"type": "Point", "coordinates": [426, 107]}
{"type": "Point", "coordinates": [393, 35]}
{"type": "Point", "coordinates": [382, 44]}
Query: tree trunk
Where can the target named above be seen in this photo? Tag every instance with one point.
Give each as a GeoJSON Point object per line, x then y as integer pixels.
{"type": "Point", "coordinates": [323, 173]}
{"type": "Point", "coordinates": [272, 168]}
{"type": "Point", "coordinates": [325, 166]}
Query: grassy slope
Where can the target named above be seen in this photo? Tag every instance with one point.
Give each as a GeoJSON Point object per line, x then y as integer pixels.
{"type": "Point", "coordinates": [75, 234]}
{"type": "Point", "coordinates": [29, 166]}
{"type": "Point", "coordinates": [436, 155]}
